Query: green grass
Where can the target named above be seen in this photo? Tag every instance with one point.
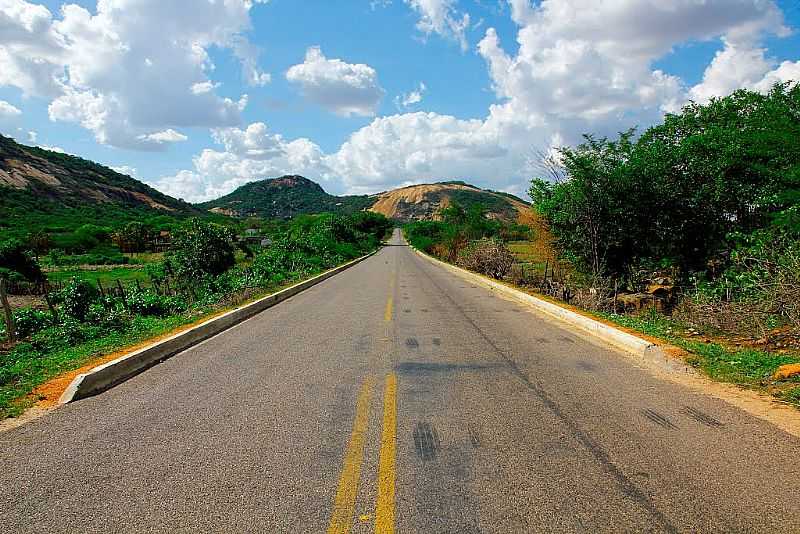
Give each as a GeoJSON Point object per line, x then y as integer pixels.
{"type": "Point", "coordinates": [30, 372]}
{"type": "Point", "coordinates": [107, 277]}
{"type": "Point", "coordinates": [745, 367]}
{"type": "Point", "coordinates": [791, 396]}
{"type": "Point", "coordinates": [144, 257]}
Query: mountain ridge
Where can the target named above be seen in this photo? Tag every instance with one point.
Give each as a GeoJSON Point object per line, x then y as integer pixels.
{"type": "Point", "coordinates": [40, 188]}
{"type": "Point", "coordinates": [291, 195]}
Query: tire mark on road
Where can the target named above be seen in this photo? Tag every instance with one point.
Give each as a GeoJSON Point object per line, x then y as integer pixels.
{"type": "Point", "coordinates": [658, 419]}
{"type": "Point", "coordinates": [626, 486]}
{"type": "Point", "coordinates": [701, 417]}
{"type": "Point", "coordinates": [426, 441]}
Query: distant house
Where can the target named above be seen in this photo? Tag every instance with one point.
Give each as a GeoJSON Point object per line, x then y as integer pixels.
{"type": "Point", "coordinates": [266, 242]}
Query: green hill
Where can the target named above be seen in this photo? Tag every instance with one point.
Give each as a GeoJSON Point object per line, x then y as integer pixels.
{"type": "Point", "coordinates": [282, 198]}
{"type": "Point", "coordinates": [45, 190]}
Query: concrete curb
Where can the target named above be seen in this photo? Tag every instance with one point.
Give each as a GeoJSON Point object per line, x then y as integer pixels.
{"type": "Point", "coordinates": [591, 328]}
{"type": "Point", "coordinates": [117, 371]}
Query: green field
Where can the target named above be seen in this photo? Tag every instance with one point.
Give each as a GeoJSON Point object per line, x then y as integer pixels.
{"type": "Point", "coordinates": [107, 277]}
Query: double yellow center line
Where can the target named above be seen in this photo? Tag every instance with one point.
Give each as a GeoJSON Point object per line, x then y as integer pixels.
{"type": "Point", "coordinates": [347, 491]}
{"type": "Point", "coordinates": [384, 509]}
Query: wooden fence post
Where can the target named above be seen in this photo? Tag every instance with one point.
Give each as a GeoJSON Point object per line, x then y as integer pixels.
{"type": "Point", "coordinates": [49, 302]}
{"type": "Point", "coordinates": [122, 294]}
{"type": "Point", "coordinates": [10, 329]}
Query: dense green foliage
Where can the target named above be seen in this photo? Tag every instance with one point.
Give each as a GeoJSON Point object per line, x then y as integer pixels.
{"type": "Point", "coordinates": [679, 193]}
{"type": "Point", "coordinates": [286, 197]}
{"type": "Point", "coordinates": [456, 227]}
{"type": "Point", "coordinates": [16, 263]}
{"type": "Point", "coordinates": [201, 266]}
{"type": "Point", "coordinates": [201, 248]}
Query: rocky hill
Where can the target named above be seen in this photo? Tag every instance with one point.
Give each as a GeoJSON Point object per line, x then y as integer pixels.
{"type": "Point", "coordinates": [282, 198]}
{"type": "Point", "coordinates": [44, 189]}
{"type": "Point", "coordinates": [288, 196]}
{"type": "Point", "coordinates": [424, 201]}
{"type": "Point", "coordinates": [40, 187]}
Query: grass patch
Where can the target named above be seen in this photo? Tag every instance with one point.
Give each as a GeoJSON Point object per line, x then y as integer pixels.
{"type": "Point", "coordinates": [144, 257]}
{"type": "Point", "coordinates": [746, 367]}
{"type": "Point", "coordinates": [792, 395]}
{"type": "Point", "coordinates": [27, 373]}
{"type": "Point", "coordinates": [107, 277]}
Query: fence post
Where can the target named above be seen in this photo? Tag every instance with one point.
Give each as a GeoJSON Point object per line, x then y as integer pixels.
{"type": "Point", "coordinates": [49, 302]}
{"type": "Point", "coordinates": [10, 329]}
{"type": "Point", "coordinates": [122, 294]}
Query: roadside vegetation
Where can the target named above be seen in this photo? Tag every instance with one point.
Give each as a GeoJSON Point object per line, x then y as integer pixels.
{"type": "Point", "coordinates": [206, 269]}
{"type": "Point", "coordinates": [689, 231]}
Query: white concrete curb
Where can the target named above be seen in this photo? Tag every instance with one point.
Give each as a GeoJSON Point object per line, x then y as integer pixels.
{"type": "Point", "coordinates": [587, 326]}
{"type": "Point", "coordinates": [117, 371]}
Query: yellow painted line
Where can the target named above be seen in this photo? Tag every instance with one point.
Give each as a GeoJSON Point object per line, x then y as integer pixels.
{"type": "Point", "coordinates": [384, 508]}
{"type": "Point", "coordinates": [387, 315]}
{"type": "Point", "coordinates": [344, 504]}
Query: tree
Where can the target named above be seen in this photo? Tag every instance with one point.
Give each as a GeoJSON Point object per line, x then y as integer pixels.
{"type": "Point", "coordinates": [39, 242]}
{"type": "Point", "coordinates": [584, 212]}
{"type": "Point", "coordinates": [202, 248]}
{"type": "Point", "coordinates": [134, 236]}
{"type": "Point", "coordinates": [676, 195]}
{"type": "Point", "coordinates": [16, 262]}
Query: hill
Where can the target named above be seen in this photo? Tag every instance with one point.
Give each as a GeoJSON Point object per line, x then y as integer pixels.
{"type": "Point", "coordinates": [288, 196]}
{"type": "Point", "coordinates": [423, 201]}
{"type": "Point", "coordinates": [282, 198]}
{"type": "Point", "coordinates": [43, 189]}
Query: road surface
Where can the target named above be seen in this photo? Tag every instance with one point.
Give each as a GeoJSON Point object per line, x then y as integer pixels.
{"type": "Point", "coordinates": [398, 396]}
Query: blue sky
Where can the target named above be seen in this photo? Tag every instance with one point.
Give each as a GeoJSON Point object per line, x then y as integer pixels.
{"type": "Point", "coordinates": [156, 88]}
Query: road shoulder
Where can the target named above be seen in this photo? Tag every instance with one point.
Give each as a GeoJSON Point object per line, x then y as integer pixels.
{"type": "Point", "coordinates": [660, 359]}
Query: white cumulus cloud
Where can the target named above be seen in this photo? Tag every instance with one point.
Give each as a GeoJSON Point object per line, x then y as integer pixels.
{"type": "Point", "coordinates": [443, 18]}
{"type": "Point", "coordinates": [406, 100]}
{"type": "Point", "coordinates": [166, 136]}
{"type": "Point", "coordinates": [8, 111]}
{"type": "Point", "coordinates": [128, 68]}
{"type": "Point", "coordinates": [742, 65]}
{"type": "Point", "coordinates": [343, 88]}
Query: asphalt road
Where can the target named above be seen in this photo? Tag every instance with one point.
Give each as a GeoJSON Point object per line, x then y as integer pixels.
{"type": "Point", "coordinates": [398, 396]}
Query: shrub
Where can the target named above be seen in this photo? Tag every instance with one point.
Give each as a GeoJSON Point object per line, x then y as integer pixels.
{"type": "Point", "coordinates": [29, 321]}
{"type": "Point", "coordinates": [67, 333]}
{"type": "Point", "coordinates": [757, 292]}
{"type": "Point", "coordinates": [149, 303]}
{"type": "Point", "coordinates": [76, 297]}
{"type": "Point", "coordinates": [15, 261]}
{"type": "Point", "coordinates": [201, 248]}
{"type": "Point", "coordinates": [109, 316]}
{"type": "Point", "coordinates": [487, 256]}
{"type": "Point", "coordinates": [134, 236]}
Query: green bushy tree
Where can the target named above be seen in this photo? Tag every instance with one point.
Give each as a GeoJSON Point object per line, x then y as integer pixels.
{"type": "Point", "coordinates": [202, 248]}
{"type": "Point", "coordinates": [16, 263]}
{"type": "Point", "coordinates": [676, 194]}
